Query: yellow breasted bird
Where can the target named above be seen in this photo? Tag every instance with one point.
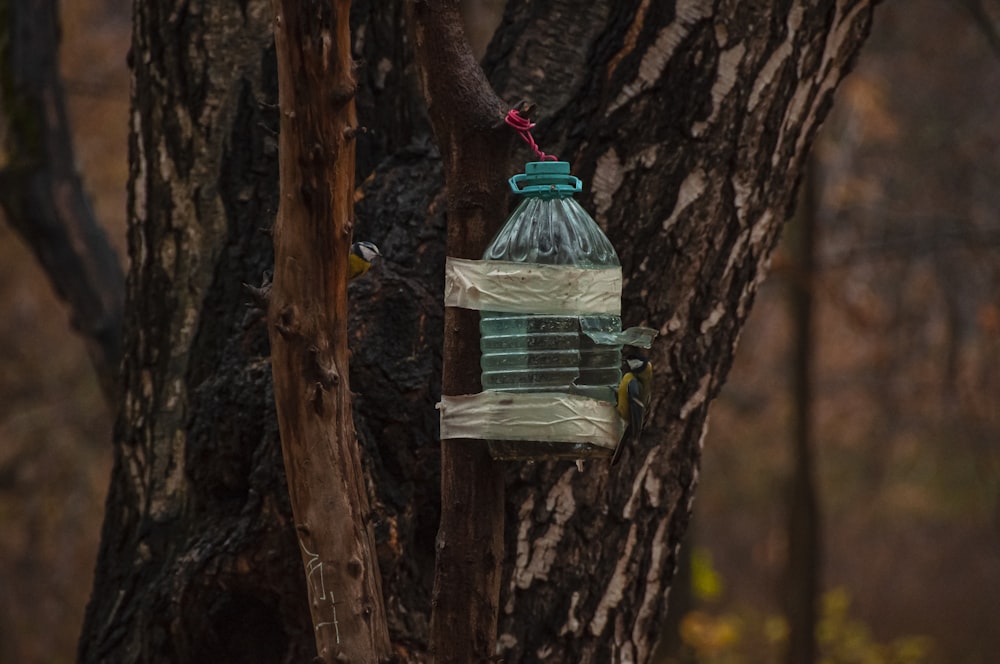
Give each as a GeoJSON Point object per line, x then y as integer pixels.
{"type": "Point", "coordinates": [360, 260]}
{"type": "Point", "coordinates": [633, 401]}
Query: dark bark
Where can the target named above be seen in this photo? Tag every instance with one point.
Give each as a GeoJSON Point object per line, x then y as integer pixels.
{"type": "Point", "coordinates": [198, 559]}
{"type": "Point", "coordinates": [389, 102]}
{"type": "Point", "coordinates": [307, 320]}
{"type": "Point", "coordinates": [671, 646]}
{"type": "Point", "coordinates": [397, 323]}
{"type": "Point", "coordinates": [691, 129]}
{"type": "Point", "coordinates": [689, 124]}
{"type": "Point", "coordinates": [40, 191]}
{"type": "Point", "coordinates": [467, 117]}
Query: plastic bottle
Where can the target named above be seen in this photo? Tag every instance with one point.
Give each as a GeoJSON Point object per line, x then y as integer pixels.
{"type": "Point", "coordinates": [540, 352]}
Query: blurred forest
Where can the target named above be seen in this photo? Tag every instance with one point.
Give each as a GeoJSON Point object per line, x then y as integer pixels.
{"type": "Point", "coordinates": [907, 372]}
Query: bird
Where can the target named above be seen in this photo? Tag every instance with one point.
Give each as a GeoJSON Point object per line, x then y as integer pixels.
{"type": "Point", "coordinates": [360, 260]}
{"type": "Point", "coordinates": [634, 392]}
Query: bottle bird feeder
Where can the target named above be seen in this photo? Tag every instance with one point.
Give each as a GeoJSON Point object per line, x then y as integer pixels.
{"type": "Point", "coordinates": [549, 294]}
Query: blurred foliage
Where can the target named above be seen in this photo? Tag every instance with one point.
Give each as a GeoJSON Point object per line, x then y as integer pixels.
{"type": "Point", "coordinates": [746, 635]}
{"type": "Point", "coordinates": [706, 582]}
{"type": "Point", "coordinates": [751, 638]}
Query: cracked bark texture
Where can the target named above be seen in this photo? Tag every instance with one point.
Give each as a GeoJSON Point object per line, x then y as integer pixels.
{"type": "Point", "coordinates": [692, 127]}
{"type": "Point", "coordinates": [198, 561]}
{"type": "Point", "coordinates": [689, 122]}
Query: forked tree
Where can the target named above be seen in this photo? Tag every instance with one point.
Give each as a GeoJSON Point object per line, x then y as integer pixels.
{"type": "Point", "coordinates": [690, 122]}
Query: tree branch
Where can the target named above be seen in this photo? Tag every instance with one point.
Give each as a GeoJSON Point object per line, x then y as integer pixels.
{"type": "Point", "coordinates": [308, 330]}
{"type": "Point", "coordinates": [467, 116]}
{"type": "Point", "coordinates": [41, 193]}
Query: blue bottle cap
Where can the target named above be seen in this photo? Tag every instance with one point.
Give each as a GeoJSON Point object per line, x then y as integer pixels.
{"type": "Point", "coordinates": [545, 177]}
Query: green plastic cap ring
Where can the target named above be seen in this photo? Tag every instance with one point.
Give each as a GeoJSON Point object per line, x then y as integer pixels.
{"type": "Point", "coordinates": [546, 177]}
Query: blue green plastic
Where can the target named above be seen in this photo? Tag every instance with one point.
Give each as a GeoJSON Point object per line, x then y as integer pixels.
{"type": "Point", "coordinates": [546, 177]}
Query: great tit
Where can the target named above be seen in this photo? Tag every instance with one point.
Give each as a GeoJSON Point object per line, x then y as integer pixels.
{"type": "Point", "coordinates": [633, 401]}
{"type": "Point", "coordinates": [361, 257]}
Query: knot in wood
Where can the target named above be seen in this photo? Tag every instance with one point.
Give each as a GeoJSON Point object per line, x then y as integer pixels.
{"type": "Point", "coordinates": [354, 567]}
{"type": "Point", "coordinates": [325, 368]}
{"type": "Point", "coordinates": [342, 93]}
{"type": "Point", "coordinates": [287, 322]}
{"type": "Point", "coordinates": [350, 133]}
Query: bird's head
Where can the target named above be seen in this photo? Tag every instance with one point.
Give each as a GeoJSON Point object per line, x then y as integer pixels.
{"type": "Point", "coordinates": [636, 364]}
{"type": "Point", "coordinates": [365, 250]}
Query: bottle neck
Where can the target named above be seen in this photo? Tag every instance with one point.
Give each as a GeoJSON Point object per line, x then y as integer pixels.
{"type": "Point", "coordinates": [548, 195]}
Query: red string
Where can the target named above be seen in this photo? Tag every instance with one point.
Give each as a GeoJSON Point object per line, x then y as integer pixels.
{"type": "Point", "coordinates": [523, 126]}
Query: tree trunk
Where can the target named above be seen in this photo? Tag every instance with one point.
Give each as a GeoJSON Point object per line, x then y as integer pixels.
{"type": "Point", "coordinates": [802, 580]}
{"type": "Point", "coordinates": [308, 330]}
{"type": "Point", "coordinates": [468, 124]}
{"type": "Point", "coordinates": [198, 560]}
{"type": "Point", "coordinates": [689, 126]}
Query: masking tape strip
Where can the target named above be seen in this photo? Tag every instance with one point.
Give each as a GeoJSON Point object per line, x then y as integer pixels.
{"type": "Point", "coordinates": [531, 288]}
{"type": "Point", "coordinates": [548, 417]}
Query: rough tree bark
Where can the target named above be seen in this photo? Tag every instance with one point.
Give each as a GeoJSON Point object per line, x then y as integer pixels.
{"type": "Point", "coordinates": [40, 191]}
{"type": "Point", "coordinates": [307, 320]}
{"type": "Point", "coordinates": [689, 121]}
{"type": "Point", "coordinates": [198, 559]}
{"type": "Point", "coordinates": [692, 124]}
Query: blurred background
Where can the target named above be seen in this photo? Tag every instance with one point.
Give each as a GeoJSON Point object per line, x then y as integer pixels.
{"type": "Point", "coordinates": [55, 429]}
{"type": "Point", "coordinates": [905, 349]}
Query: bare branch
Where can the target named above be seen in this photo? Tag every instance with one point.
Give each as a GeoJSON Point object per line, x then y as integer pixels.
{"type": "Point", "coordinates": [308, 331]}
{"type": "Point", "coordinates": [467, 116]}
